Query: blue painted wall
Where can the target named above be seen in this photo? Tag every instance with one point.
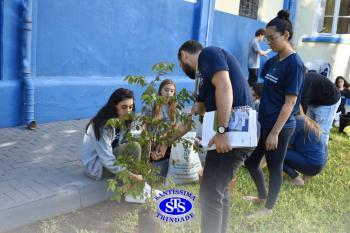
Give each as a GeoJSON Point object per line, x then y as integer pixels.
{"type": "Point", "coordinates": [11, 39]}
{"type": "Point", "coordinates": [10, 86]}
{"type": "Point", "coordinates": [1, 38]}
{"type": "Point", "coordinates": [109, 38]}
{"type": "Point", "coordinates": [234, 33]}
{"type": "Point", "coordinates": [82, 49]}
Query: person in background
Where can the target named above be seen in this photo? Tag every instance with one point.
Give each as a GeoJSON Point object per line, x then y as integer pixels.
{"type": "Point", "coordinates": [283, 77]}
{"type": "Point", "coordinates": [344, 88]}
{"type": "Point", "coordinates": [320, 99]}
{"type": "Point", "coordinates": [254, 53]}
{"type": "Point", "coordinates": [307, 152]}
{"type": "Point", "coordinates": [98, 156]}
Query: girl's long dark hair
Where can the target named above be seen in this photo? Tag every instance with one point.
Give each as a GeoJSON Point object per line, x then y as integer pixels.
{"type": "Point", "coordinates": [309, 124]}
{"type": "Point", "coordinates": [109, 110]}
{"type": "Point", "coordinates": [346, 84]}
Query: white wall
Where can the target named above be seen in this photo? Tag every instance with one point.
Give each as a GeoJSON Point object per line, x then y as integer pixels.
{"type": "Point", "coordinates": [268, 9]}
{"type": "Point", "coordinates": [338, 55]}
{"type": "Point", "coordinates": [228, 6]}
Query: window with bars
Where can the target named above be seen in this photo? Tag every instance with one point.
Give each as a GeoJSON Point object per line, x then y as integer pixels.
{"type": "Point", "coordinates": [334, 17]}
{"type": "Point", "coordinates": [249, 8]}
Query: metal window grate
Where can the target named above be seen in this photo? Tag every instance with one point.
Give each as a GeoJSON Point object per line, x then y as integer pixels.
{"type": "Point", "coordinates": [249, 8]}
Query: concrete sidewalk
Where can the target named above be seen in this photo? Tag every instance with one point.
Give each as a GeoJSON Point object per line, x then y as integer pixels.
{"type": "Point", "coordinates": [41, 175]}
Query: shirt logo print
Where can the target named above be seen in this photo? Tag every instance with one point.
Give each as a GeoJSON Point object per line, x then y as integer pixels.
{"type": "Point", "coordinates": [271, 78]}
{"type": "Point", "coordinates": [200, 79]}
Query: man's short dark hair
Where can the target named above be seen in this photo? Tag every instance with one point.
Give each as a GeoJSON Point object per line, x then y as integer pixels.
{"type": "Point", "coordinates": [190, 46]}
{"type": "Point", "coordinates": [260, 32]}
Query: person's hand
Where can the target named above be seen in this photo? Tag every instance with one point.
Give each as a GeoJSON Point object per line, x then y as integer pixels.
{"type": "Point", "coordinates": [221, 142]}
{"type": "Point", "coordinates": [194, 109]}
{"type": "Point", "coordinates": [198, 142]}
{"type": "Point", "coordinates": [136, 177]}
{"type": "Point", "coordinates": [159, 152]}
{"type": "Point", "coordinates": [271, 141]}
{"type": "Point", "coordinates": [153, 155]}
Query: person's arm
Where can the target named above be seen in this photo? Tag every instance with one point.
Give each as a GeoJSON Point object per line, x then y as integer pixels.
{"type": "Point", "coordinates": [181, 130]}
{"type": "Point", "coordinates": [105, 153]}
{"type": "Point", "coordinates": [258, 50]}
{"type": "Point", "coordinates": [199, 108]}
{"type": "Point", "coordinates": [298, 132]}
{"type": "Point", "coordinates": [287, 108]}
{"type": "Point", "coordinates": [224, 99]}
{"type": "Point", "coordinates": [263, 52]}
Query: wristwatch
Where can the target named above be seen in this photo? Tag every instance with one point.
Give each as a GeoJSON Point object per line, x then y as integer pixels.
{"type": "Point", "coordinates": [222, 129]}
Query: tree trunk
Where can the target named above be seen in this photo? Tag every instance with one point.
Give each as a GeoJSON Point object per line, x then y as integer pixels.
{"type": "Point", "coordinates": [148, 223]}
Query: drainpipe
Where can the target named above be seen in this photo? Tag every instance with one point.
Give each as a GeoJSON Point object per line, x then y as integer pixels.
{"type": "Point", "coordinates": [26, 49]}
{"type": "Point", "coordinates": [291, 5]}
{"type": "Point", "coordinates": [206, 21]}
{"type": "Point", "coordinates": [210, 23]}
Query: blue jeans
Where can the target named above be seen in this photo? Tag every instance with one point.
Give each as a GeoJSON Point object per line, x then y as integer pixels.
{"type": "Point", "coordinates": [163, 166]}
{"type": "Point", "coordinates": [219, 170]}
{"type": "Point", "coordinates": [296, 161]}
{"type": "Point", "coordinates": [324, 116]}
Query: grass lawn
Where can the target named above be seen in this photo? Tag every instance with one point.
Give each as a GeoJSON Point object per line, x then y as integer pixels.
{"type": "Point", "coordinates": [322, 205]}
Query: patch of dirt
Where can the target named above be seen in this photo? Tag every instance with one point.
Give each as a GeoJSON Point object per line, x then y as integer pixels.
{"type": "Point", "coordinates": [99, 218]}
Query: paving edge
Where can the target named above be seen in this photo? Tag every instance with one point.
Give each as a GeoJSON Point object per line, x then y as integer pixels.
{"type": "Point", "coordinates": [60, 203]}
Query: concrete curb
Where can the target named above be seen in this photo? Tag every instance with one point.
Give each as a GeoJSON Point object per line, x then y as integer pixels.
{"type": "Point", "coordinates": [49, 206]}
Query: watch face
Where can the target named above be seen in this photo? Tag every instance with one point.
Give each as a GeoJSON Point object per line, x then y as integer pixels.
{"type": "Point", "coordinates": [221, 129]}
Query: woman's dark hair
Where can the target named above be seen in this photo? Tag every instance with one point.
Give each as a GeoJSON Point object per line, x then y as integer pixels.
{"type": "Point", "coordinates": [190, 46]}
{"type": "Point", "coordinates": [109, 110]}
{"type": "Point", "coordinates": [282, 23]}
{"type": "Point", "coordinates": [260, 32]}
{"type": "Point", "coordinates": [346, 84]}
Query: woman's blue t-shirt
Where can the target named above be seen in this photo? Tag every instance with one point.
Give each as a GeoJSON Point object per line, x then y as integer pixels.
{"type": "Point", "coordinates": [281, 78]}
{"type": "Point", "coordinates": [314, 150]}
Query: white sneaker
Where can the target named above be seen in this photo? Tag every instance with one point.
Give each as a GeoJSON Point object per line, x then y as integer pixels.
{"type": "Point", "coordinates": [146, 194]}
{"type": "Point", "coordinates": [137, 199]}
{"type": "Point", "coordinates": [148, 189]}
{"type": "Point", "coordinates": [336, 123]}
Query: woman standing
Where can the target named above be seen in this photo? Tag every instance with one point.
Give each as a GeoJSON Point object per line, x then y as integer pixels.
{"type": "Point", "coordinates": [283, 76]}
